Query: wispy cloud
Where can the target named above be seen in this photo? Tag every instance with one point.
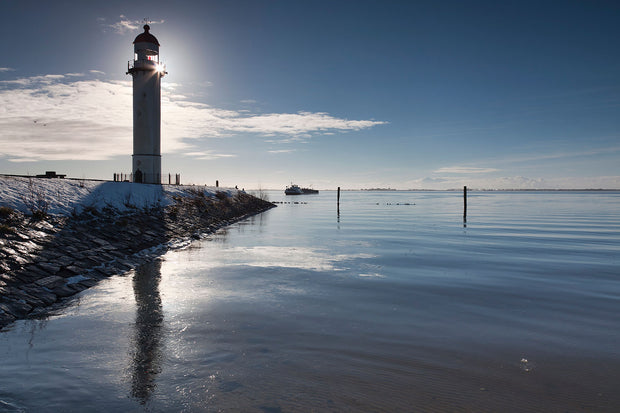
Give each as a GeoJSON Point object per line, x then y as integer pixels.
{"type": "Point", "coordinates": [556, 155]}
{"type": "Point", "coordinates": [34, 80]}
{"type": "Point", "coordinates": [209, 155]}
{"type": "Point", "coordinates": [125, 25]}
{"type": "Point", "coordinates": [513, 182]}
{"type": "Point", "coordinates": [293, 139]}
{"type": "Point", "coordinates": [464, 170]}
{"type": "Point", "coordinates": [282, 151]}
{"type": "Point", "coordinates": [6, 69]}
{"type": "Point", "coordinates": [59, 117]}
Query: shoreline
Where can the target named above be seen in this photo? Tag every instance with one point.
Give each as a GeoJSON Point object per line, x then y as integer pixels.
{"type": "Point", "coordinates": [45, 261]}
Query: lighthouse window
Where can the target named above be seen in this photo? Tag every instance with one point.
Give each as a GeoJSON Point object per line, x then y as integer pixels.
{"type": "Point", "coordinates": [154, 58]}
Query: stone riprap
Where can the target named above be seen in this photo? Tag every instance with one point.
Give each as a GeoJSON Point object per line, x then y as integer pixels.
{"type": "Point", "coordinates": [45, 260]}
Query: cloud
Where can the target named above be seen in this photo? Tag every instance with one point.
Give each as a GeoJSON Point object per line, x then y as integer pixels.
{"type": "Point", "coordinates": [59, 117]}
{"type": "Point", "coordinates": [6, 69]}
{"type": "Point", "coordinates": [34, 80]}
{"type": "Point", "coordinates": [282, 151]}
{"type": "Point", "coordinates": [294, 139]}
{"type": "Point", "coordinates": [557, 155]}
{"type": "Point", "coordinates": [97, 72]}
{"type": "Point", "coordinates": [514, 182]}
{"type": "Point", "coordinates": [464, 170]}
{"type": "Point", "coordinates": [125, 25]}
{"type": "Point", "coordinates": [208, 155]}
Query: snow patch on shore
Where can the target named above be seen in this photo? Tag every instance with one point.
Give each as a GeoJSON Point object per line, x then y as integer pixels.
{"type": "Point", "coordinates": [68, 196]}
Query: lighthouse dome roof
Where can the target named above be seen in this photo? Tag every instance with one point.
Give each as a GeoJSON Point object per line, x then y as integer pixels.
{"type": "Point", "coordinates": [146, 37]}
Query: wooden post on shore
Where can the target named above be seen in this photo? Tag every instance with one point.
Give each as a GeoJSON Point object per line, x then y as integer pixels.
{"type": "Point", "coordinates": [217, 183]}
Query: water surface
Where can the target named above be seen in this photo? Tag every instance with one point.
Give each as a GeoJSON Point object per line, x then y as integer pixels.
{"type": "Point", "coordinates": [394, 302]}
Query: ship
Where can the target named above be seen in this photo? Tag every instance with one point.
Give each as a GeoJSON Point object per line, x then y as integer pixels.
{"type": "Point", "coordinates": [296, 190]}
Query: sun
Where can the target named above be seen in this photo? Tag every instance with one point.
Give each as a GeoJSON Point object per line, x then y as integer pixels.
{"type": "Point", "coordinates": [161, 68]}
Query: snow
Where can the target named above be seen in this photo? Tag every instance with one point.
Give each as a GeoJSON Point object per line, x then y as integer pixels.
{"type": "Point", "coordinates": [68, 196]}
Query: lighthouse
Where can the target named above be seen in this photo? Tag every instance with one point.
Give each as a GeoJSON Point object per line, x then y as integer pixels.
{"type": "Point", "coordinates": [146, 70]}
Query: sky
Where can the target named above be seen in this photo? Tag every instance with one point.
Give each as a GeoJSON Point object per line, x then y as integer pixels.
{"type": "Point", "coordinates": [342, 93]}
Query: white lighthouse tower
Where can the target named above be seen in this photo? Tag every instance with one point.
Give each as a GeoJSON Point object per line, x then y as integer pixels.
{"type": "Point", "coordinates": [146, 71]}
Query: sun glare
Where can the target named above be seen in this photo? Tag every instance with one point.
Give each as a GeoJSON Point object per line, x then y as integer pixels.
{"type": "Point", "coordinates": [160, 68]}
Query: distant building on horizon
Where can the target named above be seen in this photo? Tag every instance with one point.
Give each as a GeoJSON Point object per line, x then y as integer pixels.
{"type": "Point", "coordinates": [51, 174]}
{"type": "Point", "coordinates": [146, 70]}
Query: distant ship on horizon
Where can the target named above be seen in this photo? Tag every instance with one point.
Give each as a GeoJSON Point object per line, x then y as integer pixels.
{"type": "Point", "coordinates": [296, 190]}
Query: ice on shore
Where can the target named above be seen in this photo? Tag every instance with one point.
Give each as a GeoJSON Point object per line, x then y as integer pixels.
{"type": "Point", "coordinates": [68, 196]}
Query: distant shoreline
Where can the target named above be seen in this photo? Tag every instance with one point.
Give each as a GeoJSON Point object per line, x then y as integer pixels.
{"type": "Point", "coordinates": [373, 189]}
{"type": "Point", "coordinates": [483, 190]}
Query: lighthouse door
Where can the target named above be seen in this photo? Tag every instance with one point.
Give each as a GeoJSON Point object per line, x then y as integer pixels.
{"type": "Point", "coordinates": [137, 177]}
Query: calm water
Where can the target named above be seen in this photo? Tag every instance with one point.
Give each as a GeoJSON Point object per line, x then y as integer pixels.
{"type": "Point", "coordinates": [382, 307]}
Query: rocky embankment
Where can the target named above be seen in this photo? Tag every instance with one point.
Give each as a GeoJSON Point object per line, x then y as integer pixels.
{"type": "Point", "coordinates": [45, 259]}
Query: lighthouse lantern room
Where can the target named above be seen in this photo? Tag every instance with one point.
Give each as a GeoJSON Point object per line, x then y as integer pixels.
{"type": "Point", "coordinates": [146, 70]}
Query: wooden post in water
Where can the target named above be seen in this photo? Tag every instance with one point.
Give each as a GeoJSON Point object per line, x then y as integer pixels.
{"type": "Point", "coordinates": [465, 206]}
{"type": "Point", "coordinates": [338, 201]}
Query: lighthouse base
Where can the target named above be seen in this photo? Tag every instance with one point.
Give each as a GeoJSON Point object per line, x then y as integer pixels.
{"type": "Point", "coordinates": [146, 169]}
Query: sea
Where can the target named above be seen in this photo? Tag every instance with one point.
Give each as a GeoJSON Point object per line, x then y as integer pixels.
{"type": "Point", "coordinates": [393, 301]}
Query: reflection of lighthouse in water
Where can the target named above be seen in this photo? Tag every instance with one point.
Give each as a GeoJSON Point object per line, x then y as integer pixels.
{"type": "Point", "coordinates": [146, 71]}
{"type": "Point", "coordinates": [147, 353]}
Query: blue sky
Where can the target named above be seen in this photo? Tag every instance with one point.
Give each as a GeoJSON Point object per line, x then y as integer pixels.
{"type": "Point", "coordinates": [357, 94]}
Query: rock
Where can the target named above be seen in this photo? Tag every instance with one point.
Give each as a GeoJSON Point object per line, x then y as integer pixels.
{"type": "Point", "coordinates": [77, 287]}
{"type": "Point", "coordinates": [74, 269]}
{"type": "Point", "coordinates": [105, 257]}
{"type": "Point", "coordinates": [35, 270]}
{"type": "Point", "coordinates": [6, 318]}
{"type": "Point", "coordinates": [36, 290]}
{"type": "Point", "coordinates": [71, 248]}
{"type": "Point", "coordinates": [10, 251]}
{"type": "Point", "coordinates": [89, 282]}
{"type": "Point", "coordinates": [17, 308]}
{"type": "Point", "coordinates": [99, 241]}
{"type": "Point", "coordinates": [26, 277]}
{"type": "Point", "coordinates": [133, 231]}
{"type": "Point", "coordinates": [51, 282]}
{"type": "Point", "coordinates": [29, 299]}
{"type": "Point", "coordinates": [109, 270]}
{"type": "Point", "coordinates": [97, 274]}
{"type": "Point", "coordinates": [64, 291]}
{"type": "Point", "coordinates": [48, 267]}
{"type": "Point", "coordinates": [125, 264]}
{"type": "Point", "coordinates": [44, 226]}
{"type": "Point", "coordinates": [64, 260]}
{"type": "Point", "coordinates": [117, 254]}
{"type": "Point", "coordinates": [23, 259]}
